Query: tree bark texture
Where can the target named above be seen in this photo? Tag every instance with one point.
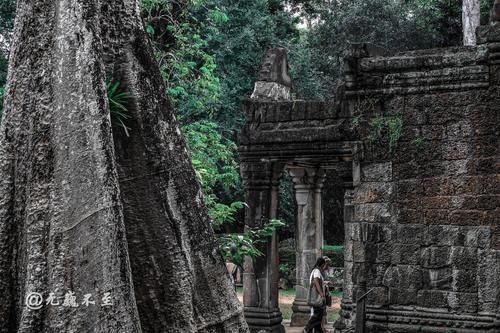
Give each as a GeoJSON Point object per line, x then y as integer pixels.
{"type": "Point", "coordinates": [86, 210]}
{"type": "Point", "coordinates": [470, 20]}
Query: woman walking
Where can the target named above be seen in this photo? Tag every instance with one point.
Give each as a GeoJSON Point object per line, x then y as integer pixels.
{"type": "Point", "coordinates": [317, 296]}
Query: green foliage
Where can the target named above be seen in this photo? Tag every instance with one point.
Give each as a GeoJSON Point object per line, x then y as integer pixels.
{"type": "Point", "coordinates": [235, 247]}
{"type": "Point", "coordinates": [356, 121]}
{"type": "Point", "coordinates": [419, 142]}
{"type": "Point", "coordinates": [117, 105]}
{"type": "Point", "coordinates": [180, 32]}
{"type": "Point", "coordinates": [189, 76]}
{"type": "Point", "coordinates": [3, 69]}
{"type": "Point", "coordinates": [333, 248]}
{"type": "Point", "coordinates": [309, 81]}
{"type": "Point", "coordinates": [284, 270]}
{"type": "Point", "coordinates": [212, 156]}
{"type": "Point", "coordinates": [397, 25]}
{"type": "Point", "coordinates": [336, 254]}
{"type": "Point", "coordinates": [7, 14]}
{"type": "Point", "coordinates": [391, 125]}
{"type": "Point", "coordinates": [286, 207]}
{"type": "Point", "coordinates": [239, 46]}
{"type": "Point", "coordinates": [187, 66]}
{"type": "Point", "coordinates": [383, 22]}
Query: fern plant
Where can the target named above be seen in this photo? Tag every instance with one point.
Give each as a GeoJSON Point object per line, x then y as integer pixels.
{"type": "Point", "coordinates": [117, 105]}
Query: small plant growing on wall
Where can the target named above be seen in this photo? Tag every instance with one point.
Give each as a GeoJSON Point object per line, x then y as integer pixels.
{"type": "Point", "coordinates": [381, 128]}
{"type": "Point", "coordinates": [419, 142]}
{"type": "Point", "coordinates": [386, 127]}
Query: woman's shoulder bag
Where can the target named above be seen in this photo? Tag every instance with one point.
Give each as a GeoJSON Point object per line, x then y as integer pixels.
{"type": "Point", "coordinates": [314, 299]}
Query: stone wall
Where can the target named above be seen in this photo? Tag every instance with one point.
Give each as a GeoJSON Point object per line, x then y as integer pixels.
{"type": "Point", "coordinates": [422, 224]}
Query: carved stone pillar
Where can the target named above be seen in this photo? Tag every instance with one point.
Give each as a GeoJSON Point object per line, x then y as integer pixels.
{"type": "Point", "coordinates": [308, 183]}
{"type": "Point", "coordinates": [261, 277]}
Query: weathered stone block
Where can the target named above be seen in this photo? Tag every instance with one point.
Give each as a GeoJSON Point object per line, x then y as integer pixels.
{"type": "Point", "coordinates": [464, 257]}
{"type": "Point", "coordinates": [459, 130]}
{"type": "Point", "coordinates": [463, 302]}
{"type": "Point", "coordinates": [436, 216]}
{"type": "Point", "coordinates": [402, 296]}
{"type": "Point", "coordinates": [486, 145]}
{"type": "Point", "coordinates": [455, 167]}
{"type": "Point", "coordinates": [348, 252]}
{"type": "Point", "coordinates": [432, 298]}
{"type": "Point", "coordinates": [376, 272]}
{"type": "Point", "coordinates": [489, 184]}
{"type": "Point", "coordinates": [410, 233]}
{"type": "Point", "coordinates": [410, 216]}
{"type": "Point", "coordinates": [487, 279]}
{"type": "Point", "coordinates": [409, 189]}
{"type": "Point", "coordinates": [373, 192]}
{"type": "Point", "coordinates": [414, 116]}
{"type": "Point", "coordinates": [384, 252]}
{"type": "Point", "coordinates": [468, 217]}
{"type": "Point", "coordinates": [464, 280]}
{"type": "Point", "coordinates": [441, 235]}
{"type": "Point", "coordinates": [433, 132]}
{"type": "Point", "coordinates": [484, 165]}
{"type": "Point", "coordinates": [403, 276]}
{"type": "Point", "coordinates": [436, 257]}
{"type": "Point", "coordinates": [488, 202]}
{"type": "Point", "coordinates": [372, 212]}
{"type": "Point", "coordinates": [297, 112]}
{"type": "Point", "coordinates": [370, 252]}
{"type": "Point", "coordinates": [348, 280]}
{"type": "Point", "coordinates": [379, 296]}
{"type": "Point", "coordinates": [406, 170]}
{"type": "Point", "coordinates": [376, 172]}
{"type": "Point", "coordinates": [437, 278]}
{"type": "Point", "coordinates": [437, 186]}
{"type": "Point", "coordinates": [463, 185]}
{"type": "Point", "coordinates": [283, 113]}
{"type": "Point", "coordinates": [358, 251]}
{"type": "Point", "coordinates": [439, 202]}
{"type": "Point", "coordinates": [474, 237]}
{"type": "Point", "coordinates": [355, 231]}
{"type": "Point", "coordinates": [348, 213]}
{"type": "Point", "coordinates": [406, 254]}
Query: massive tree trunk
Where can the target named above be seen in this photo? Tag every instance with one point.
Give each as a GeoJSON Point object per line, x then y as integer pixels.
{"type": "Point", "coordinates": [89, 211]}
{"type": "Point", "coordinates": [470, 20]}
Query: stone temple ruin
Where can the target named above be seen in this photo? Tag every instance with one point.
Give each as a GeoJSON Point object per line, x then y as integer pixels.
{"type": "Point", "coordinates": [419, 133]}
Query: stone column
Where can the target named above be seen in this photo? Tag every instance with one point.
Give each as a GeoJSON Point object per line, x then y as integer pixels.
{"type": "Point", "coordinates": [308, 183]}
{"type": "Point", "coordinates": [348, 298]}
{"type": "Point", "coordinates": [261, 276]}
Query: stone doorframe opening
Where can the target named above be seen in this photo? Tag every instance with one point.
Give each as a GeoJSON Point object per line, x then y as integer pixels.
{"type": "Point", "coordinates": [261, 178]}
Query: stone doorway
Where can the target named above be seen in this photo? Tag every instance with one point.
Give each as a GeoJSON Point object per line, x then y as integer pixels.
{"type": "Point", "coordinates": [261, 277]}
